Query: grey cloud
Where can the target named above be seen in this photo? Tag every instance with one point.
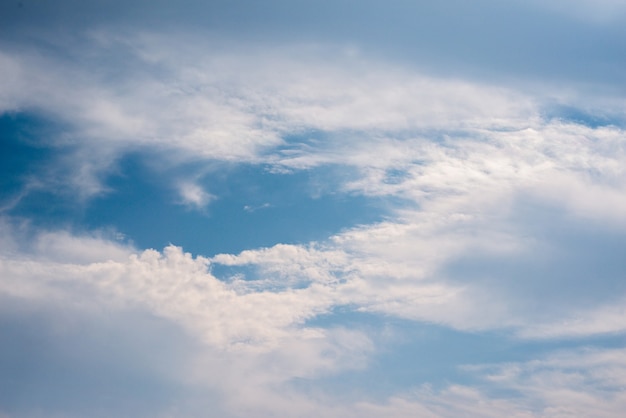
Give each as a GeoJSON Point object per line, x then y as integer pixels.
{"type": "Point", "coordinates": [566, 268]}
{"type": "Point", "coordinates": [57, 362]}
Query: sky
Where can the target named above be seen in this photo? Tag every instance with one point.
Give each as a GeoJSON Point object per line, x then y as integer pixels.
{"type": "Point", "coordinates": [303, 209]}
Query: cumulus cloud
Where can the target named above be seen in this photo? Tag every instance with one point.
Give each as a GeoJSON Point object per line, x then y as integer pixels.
{"type": "Point", "coordinates": [252, 340]}
{"type": "Point", "coordinates": [229, 315]}
{"type": "Point", "coordinates": [255, 344]}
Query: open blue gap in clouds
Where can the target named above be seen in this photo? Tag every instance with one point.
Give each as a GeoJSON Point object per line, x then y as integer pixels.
{"type": "Point", "coordinates": [252, 208]}
{"type": "Point", "coordinates": [583, 117]}
{"type": "Point", "coordinates": [252, 205]}
{"type": "Point", "coordinates": [22, 150]}
{"type": "Point", "coordinates": [35, 183]}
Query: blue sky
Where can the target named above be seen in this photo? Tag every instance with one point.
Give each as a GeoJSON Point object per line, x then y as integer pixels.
{"type": "Point", "coordinates": [289, 208]}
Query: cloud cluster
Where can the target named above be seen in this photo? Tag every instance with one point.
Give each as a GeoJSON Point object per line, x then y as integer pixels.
{"type": "Point", "coordinates": [501, 218]}
{"type": "Point", "coordinates": [182, 97]}
{"type": "Point", "coordinates": [255, 344]}
{"type": "Point", "coordinates": [195, 99]}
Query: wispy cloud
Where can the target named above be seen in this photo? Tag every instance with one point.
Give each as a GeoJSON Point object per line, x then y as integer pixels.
{"type": "Point", "coordinates": [233, 107]}
{"type": "Point", "coordinates": [194, 195]}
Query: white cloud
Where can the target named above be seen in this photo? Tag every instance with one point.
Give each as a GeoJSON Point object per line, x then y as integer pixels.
{"type": "Point", "coordinates": [194, 195]}
{"type": "Point", "coordinates": [240, 105]}
{"type": "Point", "coordinates": [255, 341]}
{"type": "Point", "coordinates": [467, 200]}
{"type": "Point", "coordinates": [172, 285]}
{"type": "Point", "coordinates": [66, 248]}
{"type": "Point", "coordinates": [233, 106]}
{"type": "Point", "coordinates": [250, 209]}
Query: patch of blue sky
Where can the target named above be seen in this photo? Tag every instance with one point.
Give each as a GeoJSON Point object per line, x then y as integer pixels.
{"type": "Point", "coordinates": [396, 176]}
{"type": "Point", "coordinates": [252, 207]}
{"type": "Point", "coordinates": [21, 152]}
{"type": "Point", "coordinates": [231, 273]}
{"type": "Point", "coordinates": [591, 119]}
{"type": "Point", "coordinates": [410, 354]}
